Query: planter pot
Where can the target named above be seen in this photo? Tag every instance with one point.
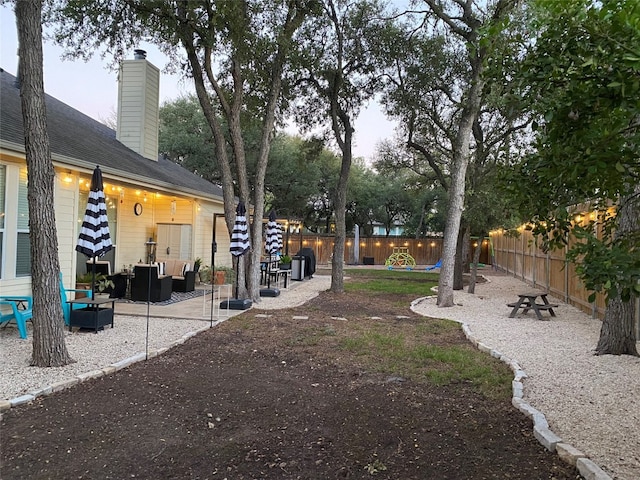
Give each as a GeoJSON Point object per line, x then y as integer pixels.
{"type": "Point", "coordinates": [285, 266]}
{"type": "Point", "coordinates": [82, 286]}
{"type": "Point", "coordinates": [219, 278]}
{"type": "Point", "coordinates": [91, 318]}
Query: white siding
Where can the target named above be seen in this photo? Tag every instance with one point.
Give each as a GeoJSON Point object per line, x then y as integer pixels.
{"type": "Point", "coordinates": [204, 232]}
{"type": "Point", "coordinates": [66, 211]}
{"type": "Point", "coordinates": [134, 231]}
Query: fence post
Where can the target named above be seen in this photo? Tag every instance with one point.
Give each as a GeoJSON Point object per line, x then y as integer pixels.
{"type": "Point", "coordinates": [523, 254]}
{"type": "Point", "coordinates": [534, 265]}
{"type": "Point", "coordinates": [566, 276]}
{"type": "Point", "coordinates": [548, 272]}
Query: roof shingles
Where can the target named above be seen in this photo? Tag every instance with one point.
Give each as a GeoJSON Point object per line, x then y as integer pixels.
{"type": "Point", "coordinates": [85, 142]}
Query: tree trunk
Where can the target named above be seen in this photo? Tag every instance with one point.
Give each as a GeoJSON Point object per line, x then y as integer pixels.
{"type": "Point", "coordinates": [423, 211]}
{"type": "Point", "coordinates": [462, 254]}
{"type": "Point", "coordinates": [617, 335]}
{"type": "Point", "coordinates": [456, 191]}
{"type": "Point", "coordinates": [49, 348]}
{"type": "Point", "coordinates": [474, 266]}
{"type": "Point", "coordinates": [337, 263]}
{"type": "Point", "coordinates": [465, 254]}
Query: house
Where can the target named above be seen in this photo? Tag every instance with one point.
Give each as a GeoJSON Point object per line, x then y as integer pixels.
{"type": "Point", "coordinates": [380, 229]}
{"type": "Point", "coordinates": [150, 199]}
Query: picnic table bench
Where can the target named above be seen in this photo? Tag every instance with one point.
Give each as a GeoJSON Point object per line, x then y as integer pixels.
{"type": "Point", "coordinates": [527, 301]}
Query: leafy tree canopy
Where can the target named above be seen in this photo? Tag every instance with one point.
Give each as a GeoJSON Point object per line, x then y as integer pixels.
{"type": "Point", "coordinates": [582, 78]}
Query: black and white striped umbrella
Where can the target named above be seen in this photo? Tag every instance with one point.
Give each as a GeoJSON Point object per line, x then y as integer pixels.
{"type": "Point", "coordinates": [94, 239]}
{"type": "Point", "coordinates": [273, 236]}
{"type": "Point", "coordinates": [240, 235]}
{"type": "Point", "coordinates": [280, 244]}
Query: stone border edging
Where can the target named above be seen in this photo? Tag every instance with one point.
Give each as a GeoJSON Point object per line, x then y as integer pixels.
{"type": "Point", "coordinates": [569, 454]}
{"type": "Point", "coordinates": [114, 367]}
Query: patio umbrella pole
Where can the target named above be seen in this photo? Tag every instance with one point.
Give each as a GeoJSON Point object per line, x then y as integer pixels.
{"type": "Point", "coordinates": [237, 276]}
{"type": "Point", "coordinates": [269, 272]}
{"type": "Point", "coordinates": [93, 278]}
{"type": "Point", "coordinates": [273, 244]}
{"type": "Point", "coordinates": [214, 247]}
{"type": "Point", "coordinates": [146, 340]}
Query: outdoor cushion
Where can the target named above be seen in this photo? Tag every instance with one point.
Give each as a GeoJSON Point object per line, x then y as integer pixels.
{"type": "Point", "coordinates": [175, 268]}
{"type": "Point", "coordinates": [171, 267]}
{"type": "Point", "coordinates": [182, 274]}
{"type": "Point", "coordinates": [162, 267]}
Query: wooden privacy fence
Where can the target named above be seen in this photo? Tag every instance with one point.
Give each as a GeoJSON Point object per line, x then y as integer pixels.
{"type": "Point", "coordinates": [425, 251]}
{"type": "Point", "coordinates": [516, 255]}
{"type": "Point", "coordinates": [551, 271]}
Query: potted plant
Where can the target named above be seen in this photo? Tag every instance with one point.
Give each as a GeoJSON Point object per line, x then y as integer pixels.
{"type": "Point", "coordinates": [103, 282]}
{"type": "Point", "coordinates": [196, 268]}
{"type": "Point", "coordinates": [219, 275]}
{"type": "Point", "coordinates": [285, 262]}
{"type": "Point", "coordinates": [100, 281]}
{"type": "Point", "coordinates": [83, 282]}
{"type": "Point", "coordinates": [224, 275]}
{"type": "Point", "coordinates": [205, 274]}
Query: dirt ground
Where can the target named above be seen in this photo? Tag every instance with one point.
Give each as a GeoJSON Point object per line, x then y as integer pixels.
{"type": "Point", "coordinates": [268, 396]}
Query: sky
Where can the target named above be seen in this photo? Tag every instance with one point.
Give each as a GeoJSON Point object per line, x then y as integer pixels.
{"type": "Point", "coordinates": [92, 88]}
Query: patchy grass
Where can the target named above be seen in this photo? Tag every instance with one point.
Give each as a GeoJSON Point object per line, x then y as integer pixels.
{"type": "Point", "coordinates": [411, 275]}
{"type": "Point", "coordinates": [390, 281]}
{"type": "Point", "coordinates": [416, 355]}
{"type": "Point", "coordinates": [426, 350]}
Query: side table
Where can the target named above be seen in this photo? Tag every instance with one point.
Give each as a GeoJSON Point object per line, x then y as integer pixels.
{"type": "Point", "coordinates": [93, 315]}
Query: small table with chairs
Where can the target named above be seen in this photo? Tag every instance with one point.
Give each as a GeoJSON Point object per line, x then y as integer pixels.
{"type": "Point", "coordinates": [527, 301]}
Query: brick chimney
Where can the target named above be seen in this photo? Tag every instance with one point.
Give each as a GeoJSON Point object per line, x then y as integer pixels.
{"type": "Point", "coordinates": [138, 105]}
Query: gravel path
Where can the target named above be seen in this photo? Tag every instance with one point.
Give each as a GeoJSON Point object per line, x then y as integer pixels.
{"type": "Point", "coordinates": [127, 339]}
{"type": "Point", "coordinates": [91, 351]}
{"type": "Point", "coordinates": [591, 402]}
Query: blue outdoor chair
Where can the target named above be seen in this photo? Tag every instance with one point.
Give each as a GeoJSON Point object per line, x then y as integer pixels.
{"type": "Point", "coordinates": [64, 296]}
{"type": "Point", "coordinates": [21, 312]}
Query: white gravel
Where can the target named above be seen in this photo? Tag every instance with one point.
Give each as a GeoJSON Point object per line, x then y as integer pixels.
{"type": "Point", "coordinates": [591, 402]}
{"type": "Point", "coordinates": [127, 339]}
{"type": "Point", "coordinates": [90, 351]}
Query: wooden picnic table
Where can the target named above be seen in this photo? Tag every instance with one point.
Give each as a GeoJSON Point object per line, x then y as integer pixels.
{"type": "Point", "coordinates": [527, 301]}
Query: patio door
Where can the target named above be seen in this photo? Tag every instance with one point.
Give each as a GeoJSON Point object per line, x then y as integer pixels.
{"type": "Point", "coordinates": [174, 241]}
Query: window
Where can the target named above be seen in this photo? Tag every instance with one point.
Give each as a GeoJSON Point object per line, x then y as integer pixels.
{"type": "Point", "coordinates": [3, 182]}
{"type": "Point", "coordinates": [23, 253]}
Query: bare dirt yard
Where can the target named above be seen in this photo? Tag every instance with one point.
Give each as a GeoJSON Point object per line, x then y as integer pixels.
{"type": "Point", "coordinates": [320, 391]}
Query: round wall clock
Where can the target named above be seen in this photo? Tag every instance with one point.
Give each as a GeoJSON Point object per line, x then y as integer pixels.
{"type": "Point", "coordinates": [137, 209]}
